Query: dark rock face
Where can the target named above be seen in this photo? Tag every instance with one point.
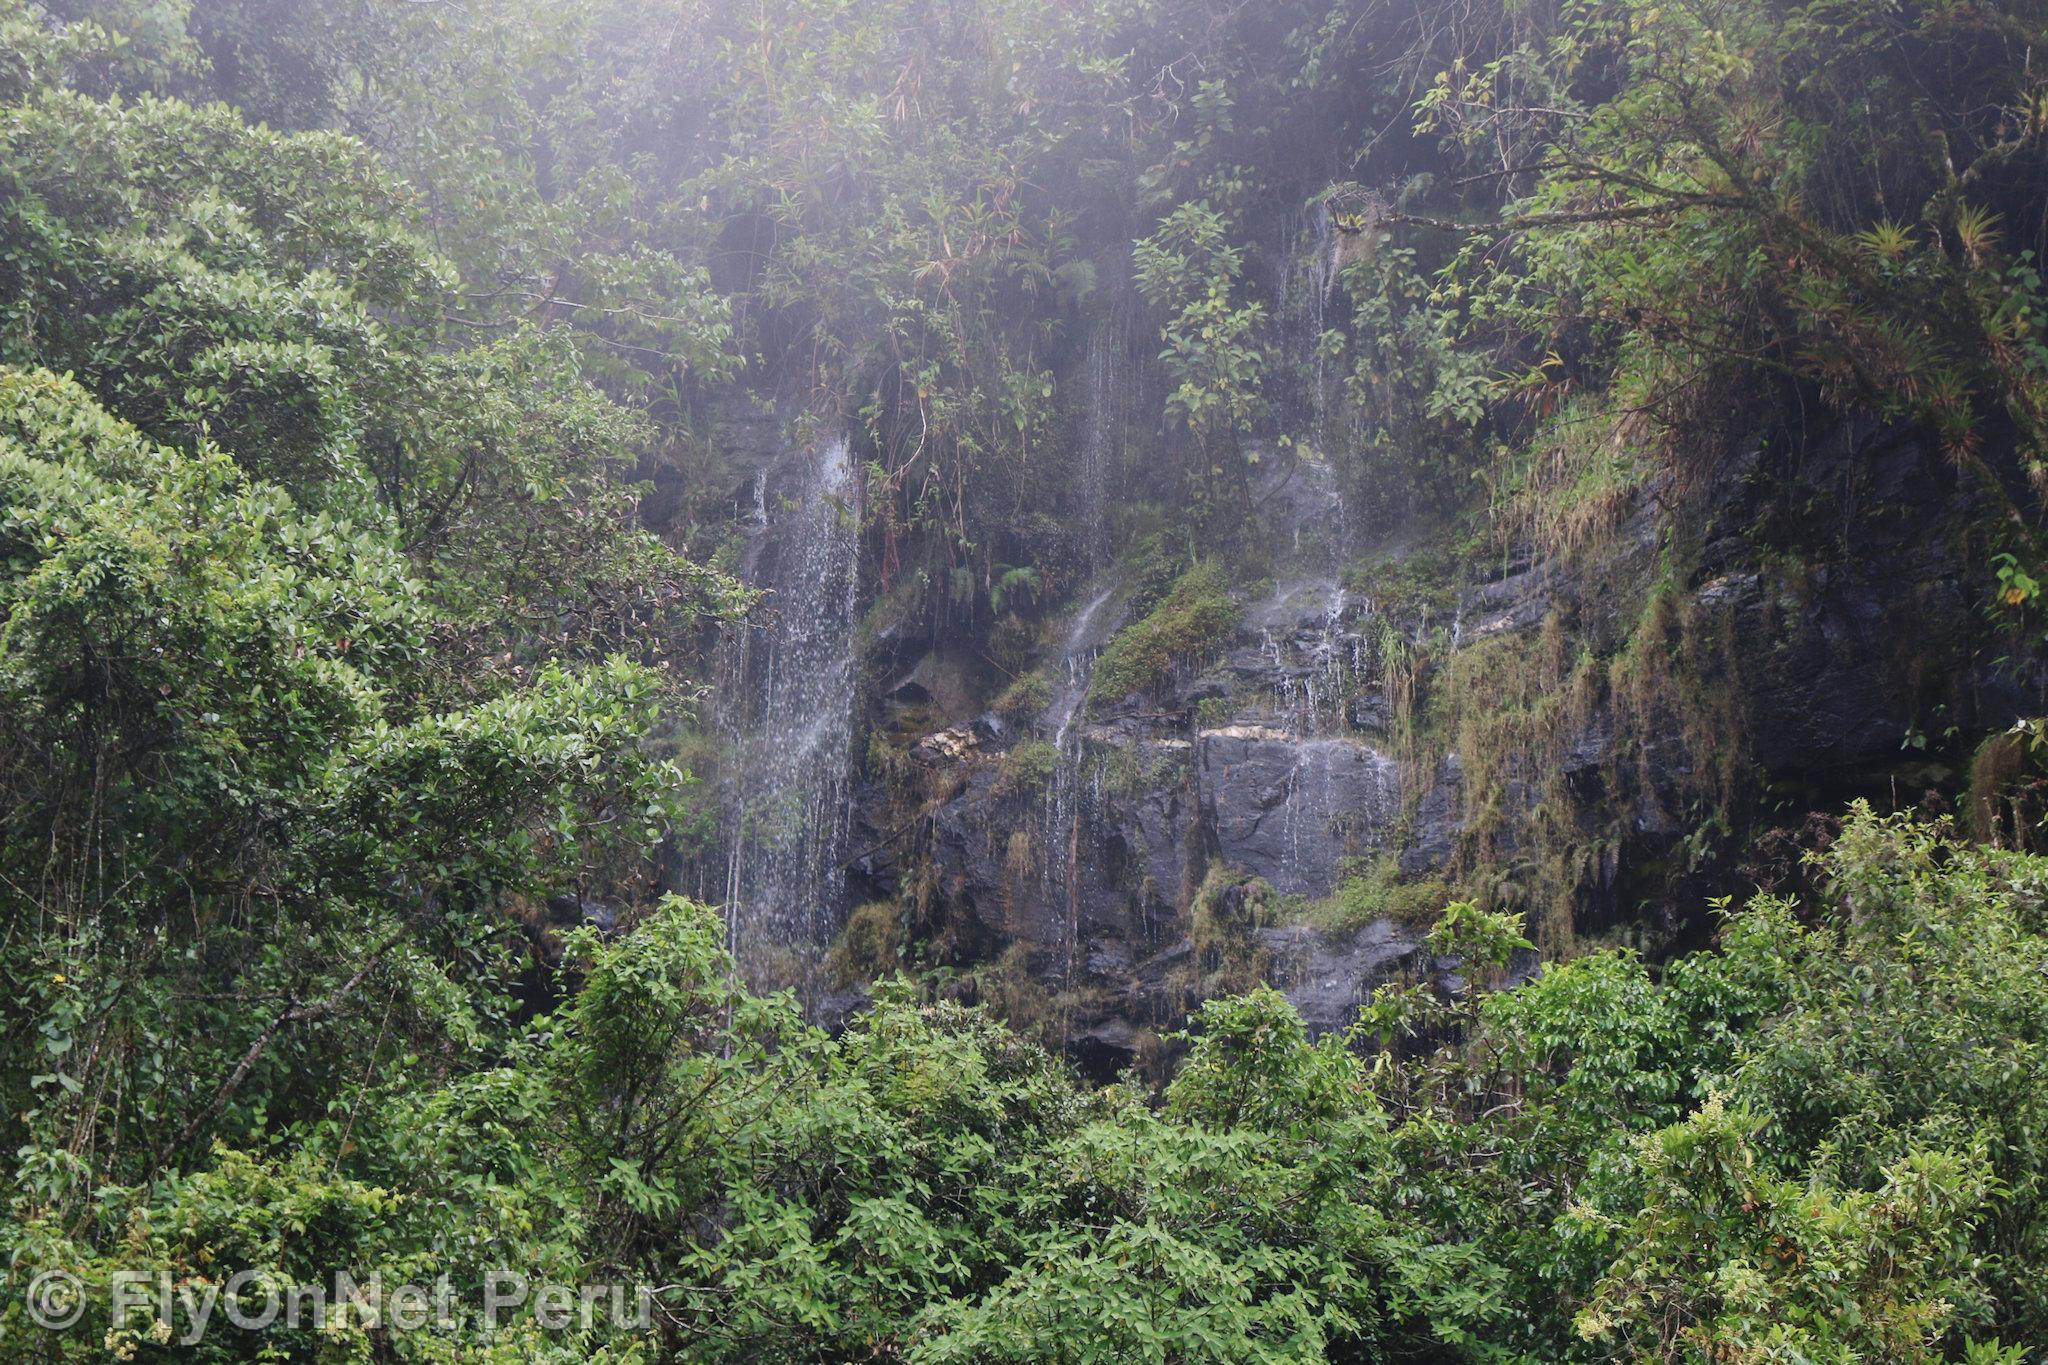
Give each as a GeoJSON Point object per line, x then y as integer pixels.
{"type": "Point", "coordinates": [1329, 976]}
{"type": "Point", "coordinates": [1289, 809]}
{"type": "Point", "coordinates": [1517, 602]}
{"type": "Point", "coordinates": [1824, 599]}
{"type": "Point", "coordinates": [1864, 618]}
{"type": "Point", "coordinates": [1093, 872]}
{"type": "Point", "coordinates": [747, 438]}
{"type": "Point", "coordinates": [1436, 829]}
{"type": "Point", "coordinates": [1155, 827]}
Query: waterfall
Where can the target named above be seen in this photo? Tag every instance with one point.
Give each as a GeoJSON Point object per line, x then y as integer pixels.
{"type": "Point", "coordinates": [1308, 274]}
{"type": "Point", "coordinates": [789, 706]}
{"type": "Point", "coordinates": [1068, 800]}
{"type": "Point", "coordinates": [1341, 795]}
{"type": "Point", "coordinates": [1309, 629]}
{"type": "Point", "coordinates": [1296, 781]}
{"type": "Point", "coordinates": [1077, 664]}
{"type": "Point", "coordinates": [1070, 803]}
{"type": "Point", "coordinates": [1104, 418]}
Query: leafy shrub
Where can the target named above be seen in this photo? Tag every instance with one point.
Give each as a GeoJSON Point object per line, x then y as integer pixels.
{"type": "Point", "coordinates": [1381, 892]}
{"type": "Point", "coordinates": [1151, 567]}
{"type": "Point", "coordinates": [1027, 765]}
{"type": "Point", "coordinates": [870, 946]}
{"type": "Point", "coordinates": [1227, 908]}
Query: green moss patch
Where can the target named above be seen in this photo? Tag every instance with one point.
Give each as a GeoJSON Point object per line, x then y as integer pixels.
{"type": "Point", "coordinates": [1193, 619]}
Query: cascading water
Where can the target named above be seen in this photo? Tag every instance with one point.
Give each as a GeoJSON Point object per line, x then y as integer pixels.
{"type": "Point", "coordinates": [1309, 628]}
{"type": "Point", "coordinates": [1295, 788]}
{"type": "Point", "coordinates": [1308, 274]}
{"type": "Point", "coordinates": [1103, 421]}
{"type": "Point", "coordinates": [789, 707]}
{"type": "Point", "coordinates": [1067, 800]}
{"type": "Point", "coordinates": [1077, 663]}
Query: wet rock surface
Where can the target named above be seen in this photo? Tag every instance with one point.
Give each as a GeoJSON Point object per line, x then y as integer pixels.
{"type": "Point", "coordinates": [1278, 759]}
{"type": "Point", "coordinates": [1329, 976]}
{"type": "Point", "coordinates": [1290, 809]}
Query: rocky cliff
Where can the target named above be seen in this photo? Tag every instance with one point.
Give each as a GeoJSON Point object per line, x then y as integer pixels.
{"type": "Point", "coordinates": [1582, 732]}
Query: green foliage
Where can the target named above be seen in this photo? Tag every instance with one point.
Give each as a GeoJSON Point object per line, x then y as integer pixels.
{"type": "Point", "coordinates": [310, 604]}
{"type": "Point", "coordinates": [1884, 1165]}
{"type": "Point", "coordinates": [1189, 622]}
{"type": "Point", "coordinates": [1820, 1137]}
{"type": "Point", "coordinates": [1024, 698]}
{"type": "Point", "coordinates": [1707, 214]}
{"type": "Point", "coordinates": [216, 701]}
{"type": "Point", "coordinates": [1027, 765]}
{"type": "Point", "coordinates": [1944, 953]}
{"type": "Point", "coordinates": [1381, 892]}
{"type": "Point", "coordinates": [1723, 1257]}
{"type": "Point", "coordinates": [871, 946]}
{"type": "Point", "coordinates": [1419, 391]}
{"type": "Point", "coordinates": [320, 567]}
{"type": "Point", "coordinates": [1015, 583]}
{"type": "Point", "coordinates": [1189, 270]}
{"type": "Point", "coordinates": [276, 294]}
{"type": "Point", "coordinates": [1223, 917]}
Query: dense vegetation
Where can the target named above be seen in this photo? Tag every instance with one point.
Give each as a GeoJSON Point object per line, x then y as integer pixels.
{"type": "Point", "coordinates": [342, 643]}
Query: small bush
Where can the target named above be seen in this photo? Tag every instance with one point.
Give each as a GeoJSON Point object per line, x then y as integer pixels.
{"type": "Point", "coordinates": [1223, 918]}
{"type": "Point", "coordinates": [1152, 566]}
{"type": "Point", "coordinates": [870, 946]}
{"type": "Point", "coordinates": [1012, 640]}
{"type": "Point", "coordinates": [1420, 583]}
{"type": "Point", "coordinates": [1028, 766]}
{"type": "Point", "coordinates": [1028, 696]}
{"type": "Point", "coordinates": [1380, 892]}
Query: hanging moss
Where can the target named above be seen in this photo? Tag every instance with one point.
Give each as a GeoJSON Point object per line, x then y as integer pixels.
{"type": "Point", "coordinates": [1020, 856]}
{"type": "Point", "coordinates": [871, 946]}
{"type": "Point", "coordinates": [1566, 493]}
{"type": "Point", "coordinates": [1222, 916]}
{"type": "Point", "coordinates": [1678, 672]}
{"type": "Point", "coordinates": [1013, 987]}
{"type": "Point", "coordinates": [1025, 697]}
{"type": "Point", "coordinates": [1418, 585]}
{"type": "Point", "coordinates": [1190, 622]}
{"type": "Point", "coordinates": [2007, 804]}
{"type": "Point", "coordinates": [1515, 708]}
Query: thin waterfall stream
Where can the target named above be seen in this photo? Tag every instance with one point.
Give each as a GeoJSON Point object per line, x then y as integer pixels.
{"type": "Point", "coordinates": [1108, 388]}
{"type": "Point", "coordinates": [1066, 797]}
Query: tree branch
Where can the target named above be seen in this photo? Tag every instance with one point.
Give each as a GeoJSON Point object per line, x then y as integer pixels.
{"type": "Point", "coordinates": [1523, 222]}
{"type": "Point", "coordinates": [297, 1014]}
